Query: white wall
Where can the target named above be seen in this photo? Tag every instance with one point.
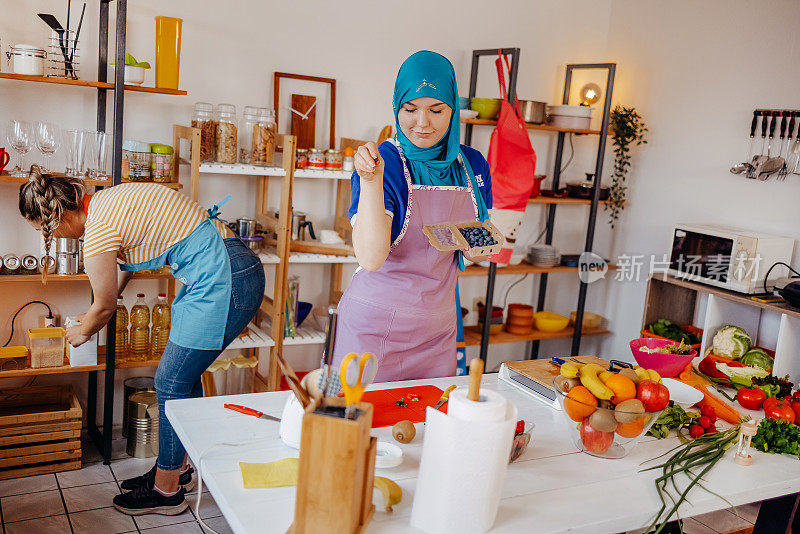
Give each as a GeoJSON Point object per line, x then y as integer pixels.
{"type": "Point", "coordinates": [694, 70]}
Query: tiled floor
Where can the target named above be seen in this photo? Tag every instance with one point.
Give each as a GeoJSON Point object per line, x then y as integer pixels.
{"type": "Point", "coordinates": [79, 502]}
{"type": "Point", "coordinates": [723, 521]}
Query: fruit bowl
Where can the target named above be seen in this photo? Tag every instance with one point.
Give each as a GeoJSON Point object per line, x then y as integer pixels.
{"type": "Point", "coordinates": [600, 431]}
{"type": "Point", "coordinates": [667, 365]}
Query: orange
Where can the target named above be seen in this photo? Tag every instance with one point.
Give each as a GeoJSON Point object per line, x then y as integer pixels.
{"type": "Point", "coordinates": [580, 403]}
{"type": "Point", "coordinates": [631, 430]}
{"type": "Point", "coordinates": [623, 387]}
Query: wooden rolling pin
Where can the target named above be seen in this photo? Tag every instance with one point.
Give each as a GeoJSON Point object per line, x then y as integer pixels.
{"type": "Point", "coordinates": [475, 373]}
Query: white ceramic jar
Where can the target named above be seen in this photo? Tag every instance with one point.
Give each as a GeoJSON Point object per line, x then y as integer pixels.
{"type": "Point", "coordinates": [27, 59]}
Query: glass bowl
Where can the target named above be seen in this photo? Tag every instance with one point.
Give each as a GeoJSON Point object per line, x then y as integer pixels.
{"type": "Point", "coordinates": [629, 427]}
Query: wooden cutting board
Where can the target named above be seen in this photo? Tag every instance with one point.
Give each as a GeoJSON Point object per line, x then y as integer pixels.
{"type": "Point", "coordinates": [543, 371]}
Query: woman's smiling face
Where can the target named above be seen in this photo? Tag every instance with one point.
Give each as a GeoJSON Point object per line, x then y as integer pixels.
{"type": "Point", "coordinates": [424, 120]}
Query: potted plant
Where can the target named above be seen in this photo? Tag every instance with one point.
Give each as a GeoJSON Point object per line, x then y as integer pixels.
{"type": "Point", "coordinates": [134, 70]}
{"type": "Point", "coordinates": [629, 129]}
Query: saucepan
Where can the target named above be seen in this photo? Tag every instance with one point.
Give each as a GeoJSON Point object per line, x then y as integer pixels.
{"type": "Point", "coordinates": [533, 112]}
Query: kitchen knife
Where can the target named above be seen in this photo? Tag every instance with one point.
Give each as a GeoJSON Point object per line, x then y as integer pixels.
{"type": "Point", "coordinates": [250, 411]}
{"type": "Point", "coordinates": [444, 397]}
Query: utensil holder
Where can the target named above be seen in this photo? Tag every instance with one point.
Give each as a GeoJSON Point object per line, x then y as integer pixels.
{"type": "Point", "coordinates": [63, 56]}
{"type": "Point", "coordinates": [337, 470]}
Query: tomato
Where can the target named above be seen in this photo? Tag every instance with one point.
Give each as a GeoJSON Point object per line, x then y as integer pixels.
{"type": "Point", "coordinates": [751, 398]}
{"type": "Point", "coordinates": [653, 395]}
{"type": "Point", "coordinates": [780, 410]}
{"type": "Point", "coordinates": [796, 408]}
{"type": "Point", "coordinates": [594, 440]}
{"type": "Point", "coordinates": [769, 403]}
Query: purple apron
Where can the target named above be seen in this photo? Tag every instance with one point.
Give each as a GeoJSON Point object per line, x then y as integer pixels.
{"type": "Point", "coordinates": [403, 313]}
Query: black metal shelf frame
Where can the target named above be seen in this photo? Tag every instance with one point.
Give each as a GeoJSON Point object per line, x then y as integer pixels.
{"type": "Point", "coordinates": [551, 209]}
{"type": "Point", "coordinates": [102, 439]}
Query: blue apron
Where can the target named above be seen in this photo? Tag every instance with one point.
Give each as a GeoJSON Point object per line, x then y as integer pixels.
{"type": "Point", "coordinates": [200, 261]}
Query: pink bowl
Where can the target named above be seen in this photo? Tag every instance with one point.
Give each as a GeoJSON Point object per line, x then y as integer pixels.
{"type": "Point", "coordinates": [667, 365]}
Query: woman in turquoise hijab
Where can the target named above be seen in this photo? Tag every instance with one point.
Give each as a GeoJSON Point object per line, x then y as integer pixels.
{"type": "Point", "coordinates": [401, 304]}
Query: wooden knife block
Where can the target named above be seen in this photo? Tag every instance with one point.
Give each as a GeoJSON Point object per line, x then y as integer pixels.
{"type": "Point", "coordinates": [336, 472]}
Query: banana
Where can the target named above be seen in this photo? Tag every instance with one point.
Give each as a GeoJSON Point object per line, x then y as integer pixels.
{"type": "Point", "coordinates": [588, 375]}
{"type": "Point", "coordinates": [604, 376]}
{"type": "Point", "coordinates": [392, 493]}
{"type": "Point", "coordinates": [570, 369]}
{"type": "Point", "coordinates": [654, 376]}
{"type": "Point", "coordinates": [641, 373]}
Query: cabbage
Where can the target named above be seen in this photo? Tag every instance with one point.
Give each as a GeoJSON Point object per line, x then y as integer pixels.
{"type": "Point", "coordinates": [731, 342]}
{"type": "Point", "coordinates": [758, 358]}
{"type": "Point", "coordinates": [741, 377]}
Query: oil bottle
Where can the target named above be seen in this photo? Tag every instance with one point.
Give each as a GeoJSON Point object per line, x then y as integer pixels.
{"type": "Point", "coordinates": [140, 330]}
{"type": "Point", "coordinates": [122, 331]}
{"type": "Point", "coordinates": [161, 325]}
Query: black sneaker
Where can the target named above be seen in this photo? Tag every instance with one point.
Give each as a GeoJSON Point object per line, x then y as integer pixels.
{"type": "Point", "coordinates": [186, 480]}
{"type": "Point", "coordinates": [146, 500]}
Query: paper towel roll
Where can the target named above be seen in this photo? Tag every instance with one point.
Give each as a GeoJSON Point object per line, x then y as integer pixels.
{"type": "Point", "coordinates": [464, 462]}
{"type": "Point", "coordinates": [490, 407]}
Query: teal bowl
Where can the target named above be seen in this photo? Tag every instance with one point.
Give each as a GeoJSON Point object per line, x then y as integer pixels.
{"type": "Point", "coordinates": [487, 108]}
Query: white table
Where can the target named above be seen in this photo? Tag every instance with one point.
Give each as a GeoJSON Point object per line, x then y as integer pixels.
{"type": "Point", "coordinates": [551, 488]}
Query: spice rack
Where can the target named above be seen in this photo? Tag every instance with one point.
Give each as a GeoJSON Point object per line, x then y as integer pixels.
{"type": "Point", "coordinates": [101, 438]}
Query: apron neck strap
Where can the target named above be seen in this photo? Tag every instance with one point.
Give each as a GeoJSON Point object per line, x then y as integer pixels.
{"type": "Point", "coordinates": [213, 212]}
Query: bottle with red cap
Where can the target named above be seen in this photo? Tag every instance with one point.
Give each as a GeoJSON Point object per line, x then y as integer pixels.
{"type": "Point", "coordinates": [122, 331]}
{"type": "Point", "coordinates": [140, 330]}
{"type": "Point", "coordinates": [161, 325]}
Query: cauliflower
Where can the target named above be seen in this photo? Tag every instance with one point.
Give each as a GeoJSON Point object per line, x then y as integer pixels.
{"type": "Point", "coordinates": [731, 342]}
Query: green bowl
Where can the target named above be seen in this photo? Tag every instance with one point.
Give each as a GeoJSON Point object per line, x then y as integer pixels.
{"type": "Point", "coordinates": [487, 108]}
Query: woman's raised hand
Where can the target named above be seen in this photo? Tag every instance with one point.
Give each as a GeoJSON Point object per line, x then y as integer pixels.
{"type": "Point", "coordinates": [369, 163]}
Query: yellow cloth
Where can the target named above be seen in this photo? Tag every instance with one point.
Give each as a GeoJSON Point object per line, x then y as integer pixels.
{"type": "Point", "coordinates": [270, 475]}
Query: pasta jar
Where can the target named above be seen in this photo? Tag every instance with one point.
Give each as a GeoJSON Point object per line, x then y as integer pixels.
{"type": "Point", "coordinates": [136, 161]}
{"type": "Point", "coordinates": [162, 162]}
{"type": "Point", "coordinates": [263, 143]}
{"type": "Point", "coordinates": [333, 160]}
{"type": "Point", "coordinates": [316, 158]}
{"type": "Point", "coordinates": [226, 133]}
{"type": "Point", "coordinates": [301, 160]}
{"type": "Point", "coordinates": [203, 119]}
{"type": "Point", "coordinates": [246, 134]}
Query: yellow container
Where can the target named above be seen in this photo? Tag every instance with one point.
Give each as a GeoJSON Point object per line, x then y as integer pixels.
{"type": "Point", "coordinates": [549, 322]}
{"type": "Point", "coordinates": [168, 51]}
{"type": "Point", "coordinates": [13, 358]}
{"type": "Point", "coordinates": [47, 346]}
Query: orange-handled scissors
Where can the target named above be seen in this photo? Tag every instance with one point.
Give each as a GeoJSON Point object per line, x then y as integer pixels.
{"type": "Point", "coordinates": [356, 373]}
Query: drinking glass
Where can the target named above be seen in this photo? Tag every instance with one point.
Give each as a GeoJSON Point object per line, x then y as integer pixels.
{"type": "Point", "coordinates": [96, 152]}
{"type": "Point", "coordinates": [48, 140]}
{"type": "Point", "coordinates": [19, 135]}
{"type": "Point", "coordinates": [76, 149]}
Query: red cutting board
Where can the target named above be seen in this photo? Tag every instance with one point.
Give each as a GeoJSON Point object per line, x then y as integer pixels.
{"type": "Point", "coordinates": [387, 413]}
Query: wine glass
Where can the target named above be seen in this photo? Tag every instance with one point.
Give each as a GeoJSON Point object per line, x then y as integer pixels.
{"type": "Point", "coordinates": [19, 135]}
{"type": "Point", "coordinates": [48, 140]}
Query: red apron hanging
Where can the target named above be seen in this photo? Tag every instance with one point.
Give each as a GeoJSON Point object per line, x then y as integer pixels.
{"type": "Point", "coordinates": [512, 163]}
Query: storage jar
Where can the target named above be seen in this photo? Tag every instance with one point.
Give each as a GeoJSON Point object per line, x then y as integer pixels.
{"type": "Point", "coordinates": [13, 358]}
{"type": "Point", "coordinates": [333, 160]}
{"type": "Point", "coordinates": [162, 162]}
{"type": "Point", "coordinates": [47, 346]}
{"type": "Point", "coordinates": [348, 160]}
{"type": "Point", "coordinates": [316, 158]}
{"type": "Point", "coordinates": [136, 161]}
{"type": "Point", "coordinates": [227, 134]}
{"type": "Point", "coordinates": [26, 59]}
{"type": "Point", "coordinates": [246, 132]}
{"type": "Point", "coordinates": [203, 118]}
{"type": "Point", "coordinates": [263, 138]}
{"type": "Point", "coordinates": [301, 159]}
{"type": "Point", "coordinates": [11, 264]}
{"type": "Point", "coordinates": [30, 264]}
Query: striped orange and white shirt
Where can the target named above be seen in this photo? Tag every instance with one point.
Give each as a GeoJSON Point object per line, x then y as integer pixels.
{"type": "Point", "coordinates": [140, 221]}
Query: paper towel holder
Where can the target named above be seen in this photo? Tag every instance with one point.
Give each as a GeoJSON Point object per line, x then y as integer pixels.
{"type": "Point", "coordinates": [475, 374]}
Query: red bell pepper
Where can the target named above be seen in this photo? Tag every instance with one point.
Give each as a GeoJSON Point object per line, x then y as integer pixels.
{"type": "Point", "coordinates": [708, 366]}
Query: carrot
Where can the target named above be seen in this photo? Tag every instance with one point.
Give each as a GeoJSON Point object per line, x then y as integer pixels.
{"type": "Point", "coordinates": [723, 410]}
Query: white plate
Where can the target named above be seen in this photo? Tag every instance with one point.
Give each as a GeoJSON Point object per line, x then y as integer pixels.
{"type": "Point", "coordinates": [683, 395]}
{"type": "Point", "coordinates": [388, 455]}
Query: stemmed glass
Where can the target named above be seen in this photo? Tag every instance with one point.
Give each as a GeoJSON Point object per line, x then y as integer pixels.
{"type": "Point", "coordinates": [19, 135]}
{"type": "Point", "coordinates": [48, 139]}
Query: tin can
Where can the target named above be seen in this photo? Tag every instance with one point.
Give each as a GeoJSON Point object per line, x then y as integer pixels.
{"type": "Point", "coordinates": [48, 262]}
{"type": "Point", "coordinates": [11, 264]}
{"type": "Point", "coordinates": [30, 264]}
{"type": "Point", "coordinates": [333, 160]}
{"type": "Point", "coordinates": [316, 158]}
{"type": "Point", "coordinates": [301, 160]}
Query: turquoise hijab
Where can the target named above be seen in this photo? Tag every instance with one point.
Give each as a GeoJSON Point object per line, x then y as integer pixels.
{"type": "Point", "coordinates": [430, 74]}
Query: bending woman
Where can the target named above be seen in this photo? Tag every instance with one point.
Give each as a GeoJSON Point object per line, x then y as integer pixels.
{"type": "Point", "coordinates": [140, 226]}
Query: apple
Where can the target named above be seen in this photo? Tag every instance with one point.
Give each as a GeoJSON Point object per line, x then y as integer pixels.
{"type": "Point", "coordinates": [653, 395]}
{"type": "Point", "coordinates": [595, 441]}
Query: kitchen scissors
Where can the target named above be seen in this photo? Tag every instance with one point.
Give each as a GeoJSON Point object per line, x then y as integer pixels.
{"type": "Point", "coordinates": [356, 373]}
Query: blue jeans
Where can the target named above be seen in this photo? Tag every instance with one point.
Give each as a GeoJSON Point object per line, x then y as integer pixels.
{"type": "Point", "coordinates": [178, 374]}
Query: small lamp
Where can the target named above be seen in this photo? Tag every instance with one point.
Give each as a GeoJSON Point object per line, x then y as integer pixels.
{"type": "Point", "coordinates": [590, 93]}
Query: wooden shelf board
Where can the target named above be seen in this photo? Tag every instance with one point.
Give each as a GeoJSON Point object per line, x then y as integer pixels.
{"type": "Point", "coordinates": [472, 335]}
{"type": "Point", "coordinates": [89, 83]}
{"type": "Point", "coordinates": [82, 277]}
{"type": "Point", "coordinates": [523, 268]}
{"type": "Point", "coordinates": [730, 295]}
{"type": "Point", "coordinates": [563, 201]}
{"type": "Point", "coordinates": [101, 366]}
{"type": "Point", "coordinates": [7, 178]}
{"type": "Point", "coordinates": [541, 127]}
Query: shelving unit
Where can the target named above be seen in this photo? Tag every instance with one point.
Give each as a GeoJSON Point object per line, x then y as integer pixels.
{"type": "Point", "coordinates": [552, 203]}
{"type": "Point", "coordinates": [473, 334]}
{"type": "Point", "coordinates": [7, 178]}
{"type": "Point", "coordinates": [106, 361]}
{"type": "Point", "coordinates": [522, 268]}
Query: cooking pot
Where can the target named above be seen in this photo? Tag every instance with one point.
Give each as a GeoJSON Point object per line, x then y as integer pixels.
{"type": "Point", "coordinates": [533, 112]}
{"type": "Point", "coordinates": [585, 188]}
{"type": "Point", "coordinates": [246, 227]}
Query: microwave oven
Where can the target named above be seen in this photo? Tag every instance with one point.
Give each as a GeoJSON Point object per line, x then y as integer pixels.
{"type": "Point", "coordinates": [727, 257]}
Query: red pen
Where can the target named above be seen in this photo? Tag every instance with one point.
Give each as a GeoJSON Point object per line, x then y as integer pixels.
{"type": "Point", "coordinates": [250, 411]}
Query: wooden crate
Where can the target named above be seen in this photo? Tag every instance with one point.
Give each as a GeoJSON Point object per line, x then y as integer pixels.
{"type": "Point", "coordinates": [40, 431]}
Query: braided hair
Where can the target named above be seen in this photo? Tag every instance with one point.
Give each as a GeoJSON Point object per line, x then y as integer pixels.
{"type": "Point", "coordinates": [44, 198]}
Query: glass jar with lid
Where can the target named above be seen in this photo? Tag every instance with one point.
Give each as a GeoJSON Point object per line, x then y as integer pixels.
{"type": "Point", "coordinates": [333, 160]}
{"type": "Point", "coordinates": [316, 158]}
{"type": "Point", "coordinates": [203, 118]}
{"type": "Point", "coordinates": [136, 161]}
{"type": "Point", "coordinates": [301, 159]}
{"type": "Point", "coordinates": [26, 59]}
{"type": "Point", "coordinates": [247, 133]}
{"type": "Point", "coordinates": [161, 162]}
{"type": "Point", "coordinates": [264, 132]}
{"type": "Point", "coordinates": [226, 134]}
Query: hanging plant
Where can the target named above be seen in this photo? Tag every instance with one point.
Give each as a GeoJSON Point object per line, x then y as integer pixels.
{"type": "Point", "coordinates": [629, 129]}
